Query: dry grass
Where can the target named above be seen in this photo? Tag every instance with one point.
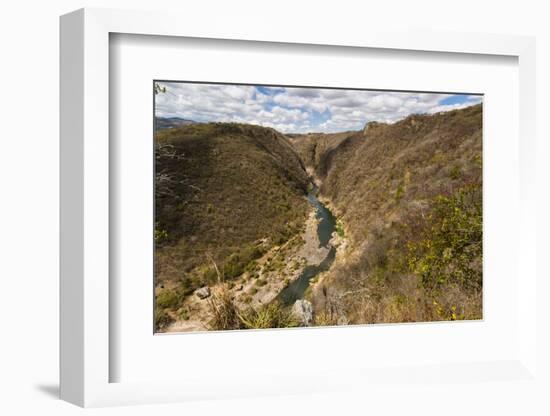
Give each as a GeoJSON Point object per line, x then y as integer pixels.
{"type": "Point", "coordinates": [226, 314]}
{"type": "Point", "coordinates": [410, 196]}
{"type": "Point", "coordinates": [225, 194]}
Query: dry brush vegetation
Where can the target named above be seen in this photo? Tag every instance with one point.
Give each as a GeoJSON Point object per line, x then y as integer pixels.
{"type": "Point", "coordinates": [410, 196]}
{"type": "Point", "coordinates": [407, 196]}
{"type": "Point", "coordinates": [224, 195]}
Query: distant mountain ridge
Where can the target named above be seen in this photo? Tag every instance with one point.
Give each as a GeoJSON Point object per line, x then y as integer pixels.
{"type": "Point", "coordinates": [171, 122]}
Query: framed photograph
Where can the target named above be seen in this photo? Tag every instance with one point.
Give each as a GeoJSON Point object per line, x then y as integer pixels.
{"type": "Point", "coordinates": [285, 207]}
{"type": "Point", "coordinates": [281, 214]}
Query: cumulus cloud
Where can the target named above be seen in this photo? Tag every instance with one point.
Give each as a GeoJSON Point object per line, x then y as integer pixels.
{"type": "Point", "coordinates": [291, 109]}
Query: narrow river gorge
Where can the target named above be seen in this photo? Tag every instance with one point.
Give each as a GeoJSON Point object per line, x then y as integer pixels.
{"type": "Point", "coordinates": [258, 229]}
{"type": "Point", "coordinates": [326, 226]}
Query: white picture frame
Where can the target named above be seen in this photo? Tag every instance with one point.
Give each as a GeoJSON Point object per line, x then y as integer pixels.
{"type": "Point", "coordinates": [85, 354]}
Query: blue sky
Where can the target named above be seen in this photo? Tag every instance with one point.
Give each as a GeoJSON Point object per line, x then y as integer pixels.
{"type": "Point", "coordinates": [299, 110]}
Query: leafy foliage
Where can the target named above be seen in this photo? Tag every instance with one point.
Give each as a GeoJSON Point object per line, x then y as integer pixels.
{"type": "Point", "coordinates": [340, 229]}
{"type": "Point", "coordinates": [168, 298]}
{"type": "Point", "coordinates": [449, 250]}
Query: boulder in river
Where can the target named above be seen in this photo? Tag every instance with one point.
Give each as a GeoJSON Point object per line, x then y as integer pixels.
{"type": "Point", "coordinates": [303, 311]}
{"type": "Point", "coordinates": [203, 292]}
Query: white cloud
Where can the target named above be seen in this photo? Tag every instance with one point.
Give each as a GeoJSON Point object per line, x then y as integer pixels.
{"type": "Point", "coordinates": [298, 109]}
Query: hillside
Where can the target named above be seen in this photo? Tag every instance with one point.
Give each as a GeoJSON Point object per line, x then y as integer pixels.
{"type": "Point", "coordinates": [409, 198]}
{"type": "Point", "coordinates": [225, 195]}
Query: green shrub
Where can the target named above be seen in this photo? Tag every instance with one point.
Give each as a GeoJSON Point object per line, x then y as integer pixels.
{"type": "Point", "coordinates": [187, 286]}
{"type": "Point", "coordinates": [162, 318]}
{"type": "Point", "coordinates": [272, 315]}
{"type": "Point", "coordinates": [449, 248]}
{"type": "Point", "coordinates": [455, 172]}
{"type": "Point", "coordinates": [399, 192]}
{"type": "Point", "coordinates": [209, 276]}
{"type": "Point", "coordinates": [168, 298]}
{"type": "Point", "coordinates": [340, 229]}
{"type": "Point", "coordinates": [244, 260]}
{"type": "Point", "coordinates": [183, 314]}
{"type": "Point", "coordinates": [160, 233]}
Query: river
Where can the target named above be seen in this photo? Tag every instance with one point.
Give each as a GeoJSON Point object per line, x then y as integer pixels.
{"type": "Point", "coordinates": [325, 228]}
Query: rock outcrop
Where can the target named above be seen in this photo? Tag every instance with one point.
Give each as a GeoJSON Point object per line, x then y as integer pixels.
{"type": "Point", "coordinates": [303, 312]}
{"type": "Point", "coordinates": [372, 125]}
{"type": "Point", "coordinates": [203, 292]}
